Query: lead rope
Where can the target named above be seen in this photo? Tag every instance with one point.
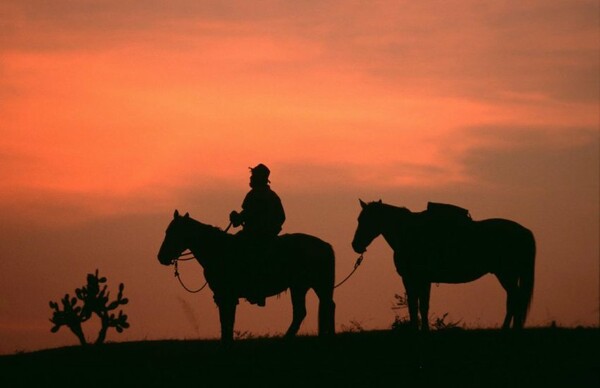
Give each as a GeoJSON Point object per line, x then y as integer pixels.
{"type": "Point", "coordinates": [356, 265]}
{"type": "Point", "coordinates": [181, 257]}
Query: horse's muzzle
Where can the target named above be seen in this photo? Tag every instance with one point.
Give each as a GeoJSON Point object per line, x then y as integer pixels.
{"type": "Point", "coordinates": [358, 249]}
{"type": "Point", "coordinates": [164, 260]}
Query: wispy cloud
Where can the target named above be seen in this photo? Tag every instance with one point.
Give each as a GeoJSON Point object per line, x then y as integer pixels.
{"type": "Point", "coordinates": [114, 99]}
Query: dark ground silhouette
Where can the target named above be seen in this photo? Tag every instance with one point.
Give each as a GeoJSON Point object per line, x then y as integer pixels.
{"type": "Point", "coordinates": [467, 358]}
{"type": "Point", "coordinates": [444, 245]}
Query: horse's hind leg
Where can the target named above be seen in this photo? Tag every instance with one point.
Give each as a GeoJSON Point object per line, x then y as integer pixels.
{"type": "Point", "coordinates": [509, 283]}
{"type": "Point", "coordinates": [520, 309]}
{"type": "Point", "coordinates": [298, 295]}
{"type": "Point", "coordinates": [326, 311]}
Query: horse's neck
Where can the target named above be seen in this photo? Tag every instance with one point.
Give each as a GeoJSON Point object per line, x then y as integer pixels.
{"type": "Point", "coordinates": [204, 240]}
{"type": "Point", "coordinates": [394, 221]}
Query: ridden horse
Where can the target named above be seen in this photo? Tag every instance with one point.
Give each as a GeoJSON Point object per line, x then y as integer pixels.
{"type": "Point", "coordinates": [296, 261]}
{"type": "Point", "coordinates": [432, 248]}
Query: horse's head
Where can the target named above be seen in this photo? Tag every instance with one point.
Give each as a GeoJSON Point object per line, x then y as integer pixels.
{"type": "Point", "coordinates": [175, 239]}
{"type": "Point", "coordinates": [369, 225]}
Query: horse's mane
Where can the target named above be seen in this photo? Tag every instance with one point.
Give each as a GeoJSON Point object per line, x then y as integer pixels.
{"type": "Point", "coordinates": [207, 228]}
{"type": "Point", "coordinates": [396, 210]}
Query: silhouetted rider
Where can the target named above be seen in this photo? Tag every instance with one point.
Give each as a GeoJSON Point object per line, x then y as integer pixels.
{"type": "Point", "coordinates": [261, 217]}
{"type": "Point", "coordinates": [262, 213]}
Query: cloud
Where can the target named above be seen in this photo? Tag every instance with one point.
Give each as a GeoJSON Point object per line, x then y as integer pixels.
{"type": "Point", "coordinates": [118, 99]}
{"type": "Point", "coordinates": [307, 176]}
{"type": "Point", "coordinates": [496, 51]}
{"type": "Point", "coordinates": [540, 160]}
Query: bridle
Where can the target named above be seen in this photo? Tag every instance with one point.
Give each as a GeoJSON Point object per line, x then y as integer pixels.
{"type": "Point", "coordinates": [183, 257]}
{"type": "Point", "coordinates": [187, 256]}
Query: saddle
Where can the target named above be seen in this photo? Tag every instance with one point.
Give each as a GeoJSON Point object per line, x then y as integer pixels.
{"type": "Point", "coordinates": [442, 235]}
{"type": "Point", "coordinates": [254, 256]}
{"type": "Point", "coordinates": [447, 213]}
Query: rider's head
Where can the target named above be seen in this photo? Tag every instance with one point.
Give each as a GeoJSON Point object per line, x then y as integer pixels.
{"type": "Point", "coordinates": [259, 175]}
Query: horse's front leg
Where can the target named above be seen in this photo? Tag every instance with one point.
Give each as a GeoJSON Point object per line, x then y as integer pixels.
{"type": "Point", "coordinates": [413, 302]}
{"type": "Point", "coordinates": [298, 295]}
{"type": "Point", "coordinates": [424, 294]}
{"type": "Point", "coordinates": [227, 307]}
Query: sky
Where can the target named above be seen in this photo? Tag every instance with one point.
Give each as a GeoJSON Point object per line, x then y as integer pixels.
{"type": "Point", "coordinates": [114, 114]}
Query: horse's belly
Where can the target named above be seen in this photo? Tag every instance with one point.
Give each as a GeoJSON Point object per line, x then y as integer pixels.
{"type": "Point", "coordinates": [264, 284]}
{"type": "Point", "coordinates": [447, 265]}
{"type": "Point", "coordinates": [449, 276]}
{"type": "Point", "coordinates": [443, 270]}
{"type": "Point", "coordinates": [276, 290]}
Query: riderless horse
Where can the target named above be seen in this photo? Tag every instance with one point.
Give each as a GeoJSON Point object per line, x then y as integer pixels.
{"type": "Point", "coordinates": [443, 245]}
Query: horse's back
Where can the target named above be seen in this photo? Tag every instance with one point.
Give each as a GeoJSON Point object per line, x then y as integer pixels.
{"type": "Point", "coordinates": [307, 250]}
{"type": "Point", "coordinates": [306, 242]}
{"type": "Point", "coordinates": [460, 252]}
{"type": "Point", "coordinates": [299, 260]}
{"type": "Point", "coordinates": [503, 228]}
{"type": "Point", "coordinates": [510, 242]}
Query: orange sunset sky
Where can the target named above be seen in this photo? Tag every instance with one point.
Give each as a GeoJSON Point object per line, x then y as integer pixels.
{"type": "Point", "coordinates": [113, 114]}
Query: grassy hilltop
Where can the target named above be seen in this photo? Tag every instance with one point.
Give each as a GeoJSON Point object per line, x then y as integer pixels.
{"type": "Point", "coordinates": [451, 358]}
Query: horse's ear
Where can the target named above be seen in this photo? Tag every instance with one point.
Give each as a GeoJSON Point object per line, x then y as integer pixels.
{"type": "Point", "coordinates": [362, 203]}
{"type": "Point", "coordinates": [176, 214]}
{"type": "Point", "coordinates": [187, 215]}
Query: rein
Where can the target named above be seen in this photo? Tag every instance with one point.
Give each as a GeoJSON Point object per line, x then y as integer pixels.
{"type": "Point", "coordinates": [179, 278]}
{"type": "Point", "coordinates": [191, 257]}
{"type": "Point", "coordinates": [358, 262]}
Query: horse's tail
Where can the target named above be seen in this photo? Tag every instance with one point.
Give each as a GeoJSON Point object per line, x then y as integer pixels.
{"type": "Point", "coordinates": [527, 276]}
